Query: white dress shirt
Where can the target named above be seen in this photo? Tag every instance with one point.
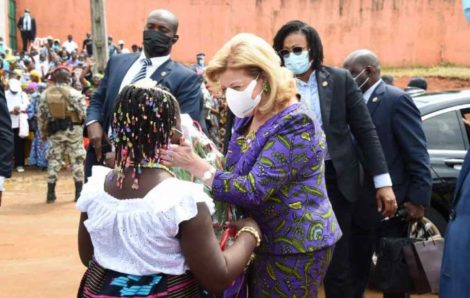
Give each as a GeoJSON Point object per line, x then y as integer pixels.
{"type": "Point", "coordinates": [2, 181]}
{"type": "Point", "coordinates": [382, 180]}
{"type": "Point", "coordinates": [40, 65]}
{"type": "Point", "coordinates": [309, 94]}
{"type": "Point", "coordinates": [70, 46]}
{"type": "Point", "coordinates": [135, 68]}
{"type": "Point", "coordinates": [26, 22]}
{"type": "Point", "coordinates": [371, 90]}
{"type": "Point", "coordinates": [20, 99]}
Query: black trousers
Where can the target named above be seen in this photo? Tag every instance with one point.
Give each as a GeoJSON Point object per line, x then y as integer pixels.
{"type": "Point", "coordinates": [338, 276]}
{"type": "Point", "coordinates": [348, 274]}
{"type": "Point", "coordinates": [19, 148]}
{"type": "Point", "coordinates": [26, 37]}
{"type": "Point", "coordinates": [90, 161]}
{"type": "Point", "coordinates": [365, 240]}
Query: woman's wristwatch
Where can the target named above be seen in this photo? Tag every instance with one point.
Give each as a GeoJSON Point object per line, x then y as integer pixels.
{"type": "Point", "coordinates": [207, 175]}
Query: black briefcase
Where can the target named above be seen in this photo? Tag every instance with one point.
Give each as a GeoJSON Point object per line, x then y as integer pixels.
{"type": "Point", "coordinates": [392, 268]}
{"type": "Point", "coordinates": [410, 265]}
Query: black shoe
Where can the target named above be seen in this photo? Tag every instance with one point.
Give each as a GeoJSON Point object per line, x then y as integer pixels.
{"type": "Point", "coordinates": [78, 189]}
{"type": "Point", "coordinates": [50, 193]}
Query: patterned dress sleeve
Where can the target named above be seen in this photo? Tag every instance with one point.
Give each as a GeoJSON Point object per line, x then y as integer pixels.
{"type": "Point", "coordinates": [285, 155]}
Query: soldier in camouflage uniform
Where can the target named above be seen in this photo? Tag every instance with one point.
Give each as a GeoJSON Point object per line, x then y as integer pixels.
{"type": "Point", "coordinates": [60, 118]}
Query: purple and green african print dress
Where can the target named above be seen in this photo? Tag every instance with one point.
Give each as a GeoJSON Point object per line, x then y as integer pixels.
{"type": "Point", "coordinates": [276, 176]}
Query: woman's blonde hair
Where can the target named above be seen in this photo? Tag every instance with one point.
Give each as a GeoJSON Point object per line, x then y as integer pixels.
{"type": "Point", "coordinates": [253, 54]}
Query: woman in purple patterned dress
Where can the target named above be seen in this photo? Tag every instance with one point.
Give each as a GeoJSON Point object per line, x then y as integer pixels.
{"type": "Point", "coordinates": [37, 155]}
{"type": "Point", "coordinates": [274, 171]}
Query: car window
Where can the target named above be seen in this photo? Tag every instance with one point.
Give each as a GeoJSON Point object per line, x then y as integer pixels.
{"type": "Point", "coordinates": [465, 115]}
{"type": "Point", "coordinates": [443, 132]}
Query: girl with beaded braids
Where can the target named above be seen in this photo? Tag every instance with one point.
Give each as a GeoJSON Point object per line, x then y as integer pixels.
{"type": "Point", "coordinates": [142, 231]}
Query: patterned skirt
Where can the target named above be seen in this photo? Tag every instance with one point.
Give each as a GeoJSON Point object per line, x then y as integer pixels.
{"type": "Point", "coordinates": [99, 282]}
{"type": "Point", "coordinates": [298, 275]}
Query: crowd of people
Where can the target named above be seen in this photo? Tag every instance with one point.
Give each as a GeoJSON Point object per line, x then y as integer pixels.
{"type": "Point", "coordinates": [27, 74]}
{"type": "Point", "coordinates": [317, 161]}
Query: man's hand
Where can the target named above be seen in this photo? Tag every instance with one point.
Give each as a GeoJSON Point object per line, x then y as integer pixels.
{"type": "Point", "coordinates": [109, 159]}
{"type": "Point", "coordinates": [16, 110]}
{"type": "Point", "coordinates": [95, 133]}
{"type": "Point", "coordinates": [386, 202]}
{"type": "Point", "coordinates": [415, 212]}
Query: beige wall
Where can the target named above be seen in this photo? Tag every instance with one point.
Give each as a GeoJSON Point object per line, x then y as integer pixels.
{"type": "Point", "coordinates": [402, 32]}
{"type": "Point", "coordinates": [4, 20]}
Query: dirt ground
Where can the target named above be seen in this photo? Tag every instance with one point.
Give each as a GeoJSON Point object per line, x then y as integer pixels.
{"type": "Point", "coordinates": [437, 83]}
{"type": "Point", "coordinates": [38, 243]}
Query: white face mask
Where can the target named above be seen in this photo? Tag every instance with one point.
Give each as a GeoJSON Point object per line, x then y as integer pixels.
{"type": "Point", "coordinates": [240, 102]}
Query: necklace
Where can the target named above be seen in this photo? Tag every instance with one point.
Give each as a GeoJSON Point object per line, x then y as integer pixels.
{"type": "Point", "coordinates": [135, 184]}
{"type": "Point", "coordinates": [152, 165]}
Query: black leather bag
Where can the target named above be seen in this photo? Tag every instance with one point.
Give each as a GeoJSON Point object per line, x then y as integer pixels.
{"type": "Point", "coordinates": [392, 268]}
{"type": "Point", "coordinates": [410, 265]}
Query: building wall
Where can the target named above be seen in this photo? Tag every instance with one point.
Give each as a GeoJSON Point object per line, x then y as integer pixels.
{"type": "Point", "coordinates": [4, 20]}
{"type": "Point", "coordinates": [401, 32]}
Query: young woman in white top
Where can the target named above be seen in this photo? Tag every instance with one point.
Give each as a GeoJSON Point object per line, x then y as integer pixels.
{"type": "Point", "coordinates": [142, 232]}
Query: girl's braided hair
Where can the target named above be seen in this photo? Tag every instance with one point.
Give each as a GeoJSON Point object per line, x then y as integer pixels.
{"type": "Point", "coordinates": [142, 123]}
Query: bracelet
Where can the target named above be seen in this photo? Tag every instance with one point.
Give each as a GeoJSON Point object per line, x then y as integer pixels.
{"type": "Point", "coordinates": [251, 231]}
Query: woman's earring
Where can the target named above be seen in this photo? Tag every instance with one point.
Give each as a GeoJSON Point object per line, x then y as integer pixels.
{"type": "Point", "coordinates": [266, 87]}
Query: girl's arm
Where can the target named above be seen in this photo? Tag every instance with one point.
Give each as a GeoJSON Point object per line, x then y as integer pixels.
{"type": "Point", "coordinates": [85, 246]}
{"type": "Point", "coordinates": [215, 269]}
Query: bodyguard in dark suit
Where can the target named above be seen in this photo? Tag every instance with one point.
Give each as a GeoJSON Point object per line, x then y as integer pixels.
{"type": "Point", "coordinates": [399, 127]}
{"type": "Point", "coordinates": [27, 26]}
{"type": "Point", "coordinates": [6, 141]}
{"type": "Point", "coordinates": [154, 62]}
{"type": "Point", "coordinates": [455, 279]}
{"type": "Point", "coordinates": [337, 103]}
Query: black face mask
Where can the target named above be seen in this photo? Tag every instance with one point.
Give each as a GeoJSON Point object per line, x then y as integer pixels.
{"type": "Point", "coordinates": [156, 43]}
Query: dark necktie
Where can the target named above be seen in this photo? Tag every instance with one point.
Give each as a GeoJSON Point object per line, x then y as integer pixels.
{"type": "Point", "coordinates": [143, 71]}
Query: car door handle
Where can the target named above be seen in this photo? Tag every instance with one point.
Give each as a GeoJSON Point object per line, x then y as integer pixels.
{"type": "Point", "coordinates": [455, 163]}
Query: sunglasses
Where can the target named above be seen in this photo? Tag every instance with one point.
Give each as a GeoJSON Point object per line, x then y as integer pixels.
{"type": "Point", "coordinates": [286, 53]}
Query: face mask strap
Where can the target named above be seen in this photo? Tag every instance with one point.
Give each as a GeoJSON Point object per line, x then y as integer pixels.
{"type": "Point", "coordinates": [365, 82]}
{"type": "Point", "coordinates": [177, 130]}
{"type": "Point", "coordinates": [359, 74]}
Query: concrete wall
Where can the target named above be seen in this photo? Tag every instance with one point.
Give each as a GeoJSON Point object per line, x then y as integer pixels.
{"type": "Point", "coordinates": [402, 32]}
{"type": "Point", "coordinates": [4, 20]}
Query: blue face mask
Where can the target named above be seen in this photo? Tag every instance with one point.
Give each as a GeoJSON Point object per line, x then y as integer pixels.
{"type": "Point", "coordinates": [466, 9]}
{"type": "Point", "coordinates": [298, 64]}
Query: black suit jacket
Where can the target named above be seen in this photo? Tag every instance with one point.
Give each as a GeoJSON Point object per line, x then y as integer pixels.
{"type": "Point", "coordinates": [399, 127]}
{"type": "Point", "coordinates": [398, 124]}
{"type": "Point", "coordinates": [33, 26]}
{"type": "Point", "coordinates": [6, 137]}
{"type": "Point", "coordinates": [182, 82]}
{"type": "Point", "coordinates": [347, 124]}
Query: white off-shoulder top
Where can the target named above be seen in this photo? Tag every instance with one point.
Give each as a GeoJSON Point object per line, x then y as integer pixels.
{"type": "Point", "coordinates": [138, 236]}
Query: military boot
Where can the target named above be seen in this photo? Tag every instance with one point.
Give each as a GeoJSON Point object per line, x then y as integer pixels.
{"type": "Point", "coordinates": [78, 189]}
{"type": "Point", "coordinates": [51, 193]}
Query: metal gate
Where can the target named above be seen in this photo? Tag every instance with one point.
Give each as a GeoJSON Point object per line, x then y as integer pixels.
{"type": "Point", "coordinates": [12, 23]}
